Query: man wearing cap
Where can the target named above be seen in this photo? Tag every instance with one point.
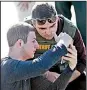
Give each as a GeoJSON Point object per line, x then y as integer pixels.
{"type": "Point", "coordinates": [46, 21]}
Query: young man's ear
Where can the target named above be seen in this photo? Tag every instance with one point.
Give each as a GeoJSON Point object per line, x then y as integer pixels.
{"type": "Point", "coordinates": [19, 43]}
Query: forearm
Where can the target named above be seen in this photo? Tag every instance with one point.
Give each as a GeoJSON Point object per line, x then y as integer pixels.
{"type": "Point", "coordinates": [75, 75]}
{"type": "Point", "coordinates": [81, 52]}
{"type": "Point", "coordinates": [62, 81]}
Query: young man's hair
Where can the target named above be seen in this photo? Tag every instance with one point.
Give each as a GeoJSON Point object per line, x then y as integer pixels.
{"type": "Point", "coordinates": [18, 31]}
{"type": "Point", "coordinates": [43, 10]}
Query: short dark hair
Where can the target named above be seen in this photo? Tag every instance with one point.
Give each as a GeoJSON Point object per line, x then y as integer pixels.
{"type": "Point", "coordinates": [43, 10]}
{"type": "Point", "coordinates": [18, 31]}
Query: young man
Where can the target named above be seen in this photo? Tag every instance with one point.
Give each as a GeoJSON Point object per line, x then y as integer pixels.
{"type": "Point", "coordinates": [45, 19]}
{"type": "Point", "coordinates": [16, 71]}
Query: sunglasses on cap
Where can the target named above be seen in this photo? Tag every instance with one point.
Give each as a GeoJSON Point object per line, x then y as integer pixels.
{"type": "Point", "coordinates": [43, 21]}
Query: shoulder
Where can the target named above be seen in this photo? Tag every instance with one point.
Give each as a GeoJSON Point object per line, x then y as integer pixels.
{"type": "Point", "coordinates": [68, 26]}
{"type": "Point", "coordinates": [8, 62]}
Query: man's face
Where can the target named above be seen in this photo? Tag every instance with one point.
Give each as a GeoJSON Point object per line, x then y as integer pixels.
{"type": "Point", "coordinates": [46, 29]}
{"type": "Point", "coordinates": [30, 46]}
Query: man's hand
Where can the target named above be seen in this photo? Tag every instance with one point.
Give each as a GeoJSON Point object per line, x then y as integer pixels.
{"type": "Point", "coordinates": [51, 76]}
{"type": "Point", "coordinates": [71, 56]}
{"type": "Point", "coordinates": [63, 37]}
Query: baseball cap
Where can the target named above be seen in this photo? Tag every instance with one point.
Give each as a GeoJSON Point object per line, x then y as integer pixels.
{"type": "Point", "coordinates": [41, 11]}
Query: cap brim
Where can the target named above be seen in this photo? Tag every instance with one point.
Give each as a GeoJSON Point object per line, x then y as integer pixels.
{"type": "Point", "coordinates": [28, 19]}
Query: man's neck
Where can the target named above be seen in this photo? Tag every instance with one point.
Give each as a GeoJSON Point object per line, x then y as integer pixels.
{"type": "Point", "coordinates": [15, 55]}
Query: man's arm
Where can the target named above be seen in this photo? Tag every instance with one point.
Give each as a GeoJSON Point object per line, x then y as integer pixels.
{"type": "Point", "coordinates": [62, 81]}
{"type": "Point", "coordinates": [81, 56]}
{"type": "Point", "coordinates": [52, 76]}
{"type": "Point", "coordinates": [26, 69]}
{"type": "Point", "coordinates": [51, 80]}
{"type": "Point", "coordinates": [71, 58]}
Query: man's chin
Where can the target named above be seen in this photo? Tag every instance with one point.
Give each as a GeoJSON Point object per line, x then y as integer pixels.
{"type": "Point", "coordinates": [32, 56]}
{"type": "Point", "coordinates": [48, 37]}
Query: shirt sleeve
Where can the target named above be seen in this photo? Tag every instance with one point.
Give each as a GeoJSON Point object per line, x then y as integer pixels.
{"type": "Point", "coordinates": [81, 52]}
{"type": "Point", "coordinates": [21, 70]}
